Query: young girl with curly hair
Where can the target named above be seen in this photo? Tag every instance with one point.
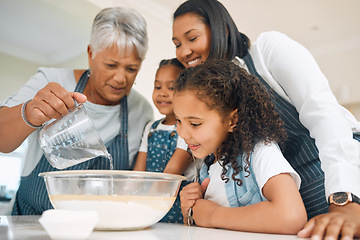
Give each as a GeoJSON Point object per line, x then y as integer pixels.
{"type": "Point", "coordinates": [227, 117]}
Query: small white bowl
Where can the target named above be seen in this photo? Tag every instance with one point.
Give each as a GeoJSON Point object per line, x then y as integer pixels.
{"type": "Point", "coordinates": [66, 224]}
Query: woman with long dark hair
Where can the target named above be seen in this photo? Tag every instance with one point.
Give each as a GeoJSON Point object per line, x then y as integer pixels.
{"type": "Point", "coordinates": [323, 141]}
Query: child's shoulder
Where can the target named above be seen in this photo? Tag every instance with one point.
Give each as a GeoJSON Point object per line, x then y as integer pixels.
{"type": "Point", "coordinates": [155, 123]}
{"type": "Point", "coordinates": [266, 147]}
{"type": "Point", "coordinates": [262, 151]}
{"type": "Point", "coordinates": [158, 124]}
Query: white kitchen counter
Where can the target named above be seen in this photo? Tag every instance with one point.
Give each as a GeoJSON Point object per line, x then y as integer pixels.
{"type": "Point", "coordinates": [28, 227]}
{"type": "Point", "coordinates": [3, 207]}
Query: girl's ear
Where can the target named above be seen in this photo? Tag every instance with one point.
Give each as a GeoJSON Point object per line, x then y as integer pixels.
{"type": "Point", "coordinates": [233, 120]}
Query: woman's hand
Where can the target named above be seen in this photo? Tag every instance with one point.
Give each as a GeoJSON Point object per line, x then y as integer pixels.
{"type": "Point", "coordinates": [53, 101]}
{"type": "Point", "coordinates": [344, 221]}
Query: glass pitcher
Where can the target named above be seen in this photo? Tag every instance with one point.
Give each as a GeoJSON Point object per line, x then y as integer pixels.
{"type": "Point", "coordinates": [71, 139]}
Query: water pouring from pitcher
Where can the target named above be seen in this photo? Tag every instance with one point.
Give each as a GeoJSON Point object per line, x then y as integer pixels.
{"type": "Point", "coordinates": [71, 140]}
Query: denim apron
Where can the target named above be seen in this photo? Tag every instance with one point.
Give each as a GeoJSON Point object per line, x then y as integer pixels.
{"type": "Point", "coordinates": [161, 146]}
{"type": "Point", "coordinates": [32, 198]}
{"type": "Point", "coordinates": [300, 151]}
{"type": "Point", "coordinates": [238, 196]}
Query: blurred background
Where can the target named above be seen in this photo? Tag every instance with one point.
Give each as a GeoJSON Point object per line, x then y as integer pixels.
{"type": "Point", "coordinates": [52, 33]}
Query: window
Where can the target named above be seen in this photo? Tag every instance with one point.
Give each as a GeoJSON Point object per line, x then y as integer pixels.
{"type": "Point", "coordinates": [10, 171]}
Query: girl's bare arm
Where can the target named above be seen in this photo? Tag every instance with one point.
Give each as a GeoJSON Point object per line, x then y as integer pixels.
{"type": "Point", "coordinates": [282, 213]}
{"type": "Point", "coordinates": [140, 164]}
{"type": "Point", "coordinates": [179, 162]}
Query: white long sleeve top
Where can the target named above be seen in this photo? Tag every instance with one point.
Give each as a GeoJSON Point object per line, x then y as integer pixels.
{"type": "Point", "coordinates": [293, 73]}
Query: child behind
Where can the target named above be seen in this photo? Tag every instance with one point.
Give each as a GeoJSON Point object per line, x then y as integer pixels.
{"type": "Point", "coordinates": [161, 149]}
{"type": "Point", "coordinates": [225, 115]}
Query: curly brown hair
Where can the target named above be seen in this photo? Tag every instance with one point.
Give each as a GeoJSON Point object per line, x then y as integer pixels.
{"type": "Point", "coordinates": [224, 86]}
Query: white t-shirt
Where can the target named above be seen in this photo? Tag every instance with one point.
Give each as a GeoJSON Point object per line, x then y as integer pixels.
{"type": "Point", "coordinates": [191, 172]}
{"type": "Point", "coordinates": [267, 161]}
{"type": "Point", "coordinates": [106, 118]}
{"type": "Point", "coordinates": [170, 128]}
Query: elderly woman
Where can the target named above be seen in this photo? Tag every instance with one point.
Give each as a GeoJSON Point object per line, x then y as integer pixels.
{"type": "Point", "coordinates": [117, 48]}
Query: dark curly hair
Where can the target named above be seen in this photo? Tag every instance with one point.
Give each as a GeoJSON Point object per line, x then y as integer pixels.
{"type": "Point", "coordinates": [226, 40]}
{"type": "Point", "coordinates": [224, 86]}
{"type": "Point", "coordinates": [173, 61]}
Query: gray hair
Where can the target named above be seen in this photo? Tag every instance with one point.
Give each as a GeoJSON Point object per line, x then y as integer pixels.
{"type": "Point", "coordinates": [122, 27]}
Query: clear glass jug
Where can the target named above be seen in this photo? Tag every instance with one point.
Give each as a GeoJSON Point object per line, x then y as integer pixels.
{"type": "Point", "coordinates": [71, 139]}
